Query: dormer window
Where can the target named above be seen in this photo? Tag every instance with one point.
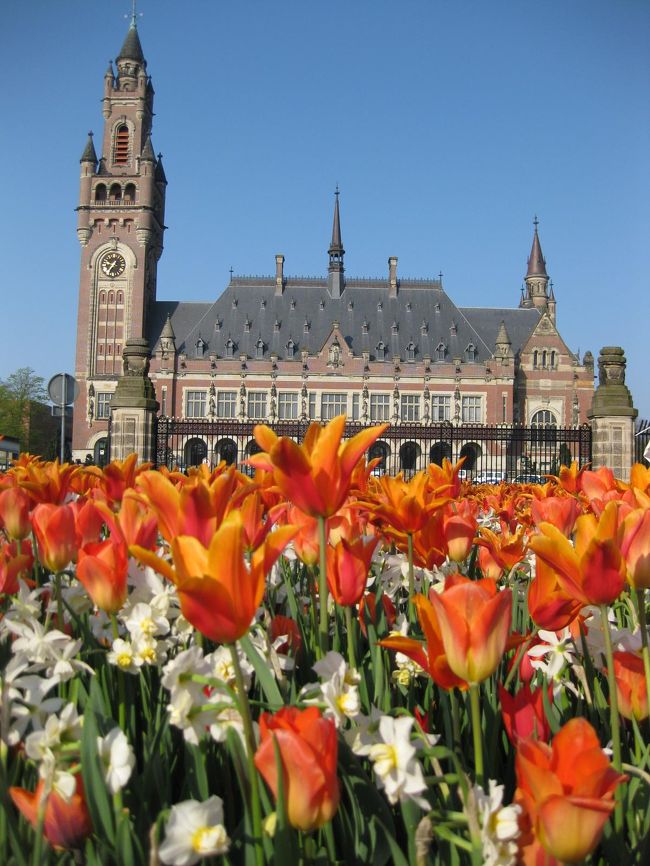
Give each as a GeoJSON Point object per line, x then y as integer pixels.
{"type": "Point", "coordinates": [230, 349]}
{"type": "Point", "coordinates": [247, 325]}
{"type": "Point", "coordinates": [410, 352]}
{"type": "Point", "coordinates": [291, 349]}
{"type": "Point", "coordinates": [121, 155]}
{"type": "Point", "coordinates": [424, 328]}
{"type": "Point", "coordinates": [321, 305]}
{"type": "Point", "coordinates": [276, 326]}
{"type": "Point", "coordinates": [350, 306]}
{"type": "Point", "coordinates": [470, 352]}
{"type": "Point", "coordinates": [380, 351]}
{"type": "Point", "coordinates": [365, 327]}
{"type": "Point", "coordinates": [394, 328]}
{"type": "Point", "coordinates": [441, 351]}
{"type": "Point", "coordinates": [199, 348]}
{"type": "Point", "coordinates": [305, 327]}
{"type": "Point", "coordinates": [262, 304]}
{"type": "Point", "coordinates": [292, 305]}
{"type": "Point", "coordinates": [380, 307]}
{"type": "Point", "coordinates": [259, 348]}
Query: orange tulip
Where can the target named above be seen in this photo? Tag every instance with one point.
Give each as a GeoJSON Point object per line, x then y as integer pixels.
{"type": "Point", "coordinates": [89, 521]}
{"type": "Point", "coordinates": [219, 591]}
{"type": "Point", "coordinates": [549, 605]}
{"type": "Point", "coordinates": [561, 511]}
{"type": "Point", "coordinates": [445, 479]}
{"type": "Point", "coordinates": [305, 541]}
{"type": "Point", "coordinates": [348, 564]}
{"type": "Point", "coordinates": [102, 569]}
{"type": "Point", "coordinates": [14, 565]}
{"type": "Point", "coordinates": [45, 481]}
{"type": "Point", "coordinates": [368, 603]}
{"type": "Point", "coordinates": [433, 659]}
{"type": "Point", "coordinates": [635, 547]}
{"type": "Point", "coordinates": [570, 477]}
{"type": "Point", "coordinates": [399, 506]}
{"type": "Point", "coordinates": [593, 571]}
{"type": "Point", "coordinates": [308, 753]}
{"type": "Point", "coordinates": [640, 477]}
{"type": "Point", "coordinates": [137, 522]}
{"type": "Point", "coordinates": [67, 822]}
{"type": "Point", "coordinates": [500, 552]}
{"type": "Point", "coordinates": [474, 619]}
{"type": "Point", "coordinates": [523, 714]}
{"type": "Point", "coordinates": [459, 529]}
{"type": "Point", "coordinates": [284, 625]}
{"type": "Point", "coordinates": [316, 475]}
{"type": "Point", "coordinates": [600, 486]}
{"type": "Point", "coordinates": [55, 531]}
{"type": "Point", "coordinates": [566, 790]}
{"type": "Point", "coordinates": [631, 686]}
{"type": "Point", "coordinates": [15, 505]}
{"type": "Point", "coordinates": [429, 543]}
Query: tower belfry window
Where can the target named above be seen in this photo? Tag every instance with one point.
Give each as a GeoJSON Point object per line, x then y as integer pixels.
{"type": "Point", "coordinates": [121, 156]}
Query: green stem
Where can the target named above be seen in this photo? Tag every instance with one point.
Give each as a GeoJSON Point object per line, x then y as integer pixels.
{"type": "Point", "coordinates": [244, 709]}
{"type": "Point", "coordinates": [349, 627]}
{"type": "Point", "coordinates": [323, 631]}
{"type": "Point", "coordinates": [474, 698]}
{"type": "Point", "coordinates": [37, 859]}
{"type": "Point", "coordinates": [411, 577]}
{"type": "Point", "coordinates": [455, 722]}
{"type": "Point", "coordinates": [643, 625]}
{"type": "Point", "coordinates": [613, 714]}
{"type": "Point", "coordinates": [59, 601]}
{"type": "Point", "coordinates": [121, 696]}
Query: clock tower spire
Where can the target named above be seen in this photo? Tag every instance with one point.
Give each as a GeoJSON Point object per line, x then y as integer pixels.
{"type": "Point", "coordinates": [120, 227]}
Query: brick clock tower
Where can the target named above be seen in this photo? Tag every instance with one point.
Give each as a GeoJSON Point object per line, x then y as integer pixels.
{"type": "Point", "coordinates": [120, 228]}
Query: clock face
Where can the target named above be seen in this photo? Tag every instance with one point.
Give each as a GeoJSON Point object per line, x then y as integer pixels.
{"type": "Point", "coordinates": [113, 264]}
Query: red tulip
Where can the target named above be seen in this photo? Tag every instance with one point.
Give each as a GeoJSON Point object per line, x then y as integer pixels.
{"type": "Point", "coordinates": [14, 565]}
{"type": "Point", "coordinates": [561, 511]}
{"type": "Point", "coordinates": [54, 527]}
{"type": "Point", "coordinates": [635, 547]}
{"type": "Point", "coordinates": [102, 569]}
{"type": "Point", "coordinates": [67, 822]}
{"type": "Point", "coordinates": [523, 714]}
{"type": "Point", "coordinates": [308, 753]}
{"type": "Point", "coordinates": [15, 505]}
{"type": "Point", "coordinates": [631, 686]}
{"type": "Point", "coordinates": [348, 564]}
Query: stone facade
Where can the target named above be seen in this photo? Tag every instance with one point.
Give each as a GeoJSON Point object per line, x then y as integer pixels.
{"type": "Point", "coordinates": [612, 415]}
{"type": "Point", "coordinates": [284, 347]}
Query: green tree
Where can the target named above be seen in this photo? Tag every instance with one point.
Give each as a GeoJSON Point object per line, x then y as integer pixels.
{"type": "Point", "coordinates": [24, 413]}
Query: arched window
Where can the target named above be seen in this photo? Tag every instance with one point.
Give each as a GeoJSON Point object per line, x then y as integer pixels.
{"type": "Point", "coordinates": [544, 359]}
{"type": "Point", "coordinates": [544, 426]}
{"type": "Point", "coordinates": [230, 349]}
{"type": "Point", "coordinates": [470, 352]}
{"type": "Point", "coordinates": [291, 349]}
{"type": "Point", "coordinates": [379, 451]}
{"type": "Point", "coordinates": [129, 193]}
{"type": "Point", "coordinates": [100, 192]}
{"type": "Point", "coordinates": [100, 452]}
{"type": "Point", "coordinates": [471, 452]}
{"type": "Point", "coordinates": [259, 348]}
{"type": "Point", "coordinates": [102, 297]}
{"type": "Point", "coordinates": [120, 298]}
{"type": "Point", "coordinates": [121, 156]}
{"type": "Point", "coordinates": [408, 457]}
{"type": "Point", "coordinates": [195, 452]}
{"type": "Point", "coordinates": [439, 452]}
{"type": "Point", "coordinates": [441, 351]}
{"type": "Point", "coordinates": [199, 349]}
{"type": "Point", "coordinates": [410, 352]}
{"type": "Point", "coordinates": [226, 450]}
{"type": "Point", "coordinates": [115, 193]}
{"type": "Point", "coordinates": [380, 351]}
{"type": "Point", "coordinates": [535, 359]}
{"type": "Point", "coordinates": [553, 359]}
{"type": "Point", "coordinates": [111, 297]}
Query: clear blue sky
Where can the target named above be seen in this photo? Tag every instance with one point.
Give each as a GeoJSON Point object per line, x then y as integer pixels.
{"type": "Point", "coordinates": [447, 125]}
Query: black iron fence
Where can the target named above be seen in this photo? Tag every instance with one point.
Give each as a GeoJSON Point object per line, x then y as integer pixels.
{"type": "Point", "coordinates": [492, 453]}
{"type": "Point", "coordinates": [641, 441]}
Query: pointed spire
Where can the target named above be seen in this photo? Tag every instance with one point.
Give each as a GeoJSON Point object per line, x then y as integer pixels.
{"type": "Point", "coordinates": [109, 72]}
{"type": "Point", "coordinates": [167, 330]}
{"type": "Point", "coordinates": [503, 338]}
{"type": "Point", "coordinates": [536, 261]}
{"type": "Point", "coordinates": [89, 154]}
{"type": "Point", "coordinates": [337, 245]}
{"type": "Point", "coordinates": [148, 152]}
{"type": "Point", "coordinates": [132, 48]}
{"type": "Point", "coordinates": [159, 174]}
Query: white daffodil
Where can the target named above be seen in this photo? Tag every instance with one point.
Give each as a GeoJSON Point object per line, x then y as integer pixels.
{"type": "Point", "coordinates": [149, 651]}
{"type": "Point", "coordinates": [123, 656]}
{"type": "Point", "coordinates": [31, 706]}
{"type": "Point", "coordinates": [395, 763]}
{"type": "Point", "coordinates": [405, 668]}
{"type": "Point", "coordinates": [364, 732]}
{"type": "Point", "coordinates": [221, 667]}
{"type": "Point", "coordinates": [499, 826]}
{"type": "Point", "coordinates": [194, 830]}
{"type": "Point", "coordinates": [559, 649]}
{"type": "Point", "coordinates": [178, 671]}
{"type": "Point", "coordinates": [142, 621]}
{"type": "Point", "coordinates": [117, 758]}
{"type": "Point", "coordinates": [338, 689]}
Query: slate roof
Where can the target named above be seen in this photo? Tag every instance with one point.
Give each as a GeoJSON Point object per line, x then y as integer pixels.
{"type": "Point", "coordinates": [422, 314]}
{"type": "Point", "coordinates": [132, 47]}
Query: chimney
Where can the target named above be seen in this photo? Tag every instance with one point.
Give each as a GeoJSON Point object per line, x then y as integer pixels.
{"type": "Point", "coordinates": [279, 274]}
{"type": "Point", "coordinates": [392, 277]}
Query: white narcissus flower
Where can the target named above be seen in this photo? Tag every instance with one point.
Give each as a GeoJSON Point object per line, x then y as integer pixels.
{"type": "Point", "coordinates": [395, 763]}
{"type": "Point", "coordinates": [123, 656]}
{"type": "Point", "coordinates": [338, 689]}
{"type": "Point", "coordinates": [221, 667]}
{"type": "Point", "coordinates": [499, 826]}
{"type": "Point", "coordinates": [194, 830]}
{"type": "Point", "coordinates": [117, 758]}
{"type": "Point", "coordinates": [142, 621]}
{"type": "Point", "coordinates": [558, 647]}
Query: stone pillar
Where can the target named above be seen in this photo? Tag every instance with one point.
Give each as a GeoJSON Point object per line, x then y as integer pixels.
{"type": "Point", "coordinates": [134, 406]}
{"type": "Point", "coordinates": [612, 415]}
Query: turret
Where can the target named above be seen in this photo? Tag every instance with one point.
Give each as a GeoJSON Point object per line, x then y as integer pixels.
{"type": "Point", "coordinates": [335, 278]}
{"type": "Point", "coordinates": [536, 276]}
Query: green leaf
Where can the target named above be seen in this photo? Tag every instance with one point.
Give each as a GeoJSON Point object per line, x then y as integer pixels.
{"type": "Point", "coordinates": [264, 675]}
{"type": "Point", "coordinates": [97, 796]}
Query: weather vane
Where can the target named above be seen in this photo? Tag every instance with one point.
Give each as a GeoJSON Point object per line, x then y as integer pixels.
{"type": "Point", "coordinates": [134, 13]}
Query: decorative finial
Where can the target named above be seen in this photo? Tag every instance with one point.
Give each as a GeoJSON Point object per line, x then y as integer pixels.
{"type": "Point", "coordinates": [440, 277]}
{"type": "Point", "coordinates": [134, 14]}
{"type": "Point", "coordinates": [336, 191]}
{"type": "Point", "coordinates": [160, 156]}
{"type": "Point", "coordinates": [231, 273]}
{"type": "Point", "coordinates": [90, 133]}
{"type": "Point", "coordinates": [535, 222]}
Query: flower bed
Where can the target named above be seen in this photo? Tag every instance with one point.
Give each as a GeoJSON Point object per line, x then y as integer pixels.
{"type": "Point", "coordinates": [317, 665]}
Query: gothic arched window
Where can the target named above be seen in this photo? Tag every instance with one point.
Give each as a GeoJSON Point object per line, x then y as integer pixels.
{"type": "Point", "coordinates": [470, 352]}
{"type": "Point", "coordinates": [129, 193]}
{"type": "Point", "coordinates": [259, 348]}
{"type": "Point", "coordinates": [100, 192]}
{"type": "Point", "coordinates": [380, 350]}
{"type": "Point", "coordinates": [291, 349]}
{"type": "Point", "coordinates": [441, 351]}
{"type": "Point", "coordinates": [121, 155]}
{"type": "Point", "coordinates": [230, 349]}
{"type": "Point", "coordinates": [115, 193]}
{"type": "Point", "coordinates": [410, 352]}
